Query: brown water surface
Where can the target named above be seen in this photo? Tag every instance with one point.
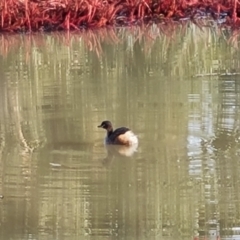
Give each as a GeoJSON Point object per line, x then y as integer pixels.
{"type": "Point", "coordinates": [180, 93]}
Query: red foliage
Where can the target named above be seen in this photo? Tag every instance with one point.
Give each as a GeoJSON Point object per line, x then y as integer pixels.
{"type": "Point", "coordinates": [48, 15]}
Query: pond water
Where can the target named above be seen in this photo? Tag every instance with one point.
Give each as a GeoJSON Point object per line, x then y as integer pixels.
{"type": "Point", "coordinates": [176, 87]}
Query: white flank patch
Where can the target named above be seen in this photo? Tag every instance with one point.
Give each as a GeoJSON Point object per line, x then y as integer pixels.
{"type": "Point", "coordinates": [133, 140]}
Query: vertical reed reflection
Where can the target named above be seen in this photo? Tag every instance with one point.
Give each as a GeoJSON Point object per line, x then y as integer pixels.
{"type": "Point", "coordinates": [58, 179]}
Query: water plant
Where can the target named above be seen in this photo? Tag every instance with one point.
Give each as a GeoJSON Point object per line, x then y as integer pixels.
{"type": "Point", "coordinates": [49, 15]}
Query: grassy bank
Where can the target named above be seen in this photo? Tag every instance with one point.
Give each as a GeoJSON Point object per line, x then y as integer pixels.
{"type": "Point", "coordinates": [50, 15]}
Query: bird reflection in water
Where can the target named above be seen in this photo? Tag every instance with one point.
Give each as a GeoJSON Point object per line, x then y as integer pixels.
{"type": "Point", "coordinates": [116, 151]}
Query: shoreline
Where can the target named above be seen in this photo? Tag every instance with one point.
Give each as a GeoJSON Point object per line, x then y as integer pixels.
{"type": "Point", "coordinates": [46, 16]}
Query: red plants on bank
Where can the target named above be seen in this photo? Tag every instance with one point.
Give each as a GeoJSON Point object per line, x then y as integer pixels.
{"type": "Point", "coordinates": [50, 15]}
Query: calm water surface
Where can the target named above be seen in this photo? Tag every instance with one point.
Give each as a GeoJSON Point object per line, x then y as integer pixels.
{"type": "Point", "coordinates": [178, 89]}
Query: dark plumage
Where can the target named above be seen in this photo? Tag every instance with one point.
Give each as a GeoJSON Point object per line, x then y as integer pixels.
{"type": "Point", "coordinates": [121, 136]}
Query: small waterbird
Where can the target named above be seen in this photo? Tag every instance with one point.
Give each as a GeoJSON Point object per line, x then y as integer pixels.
{"type": "Point", "coordinates": [119, 136]}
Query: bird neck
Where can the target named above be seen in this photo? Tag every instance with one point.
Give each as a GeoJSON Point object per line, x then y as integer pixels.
{"type": "Point", "coordinates": [109, 131]}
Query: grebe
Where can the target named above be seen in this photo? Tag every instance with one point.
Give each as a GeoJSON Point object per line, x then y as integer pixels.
{"type": "Point", "coordinates": [119, 136]}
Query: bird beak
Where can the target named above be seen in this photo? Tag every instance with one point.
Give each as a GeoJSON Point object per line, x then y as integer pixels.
{"type": "Point", "coordinates": [100, 126]}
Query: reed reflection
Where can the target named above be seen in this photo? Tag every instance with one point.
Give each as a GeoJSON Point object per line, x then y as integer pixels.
{"type": "Point", "coordinates": [58, 179]}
